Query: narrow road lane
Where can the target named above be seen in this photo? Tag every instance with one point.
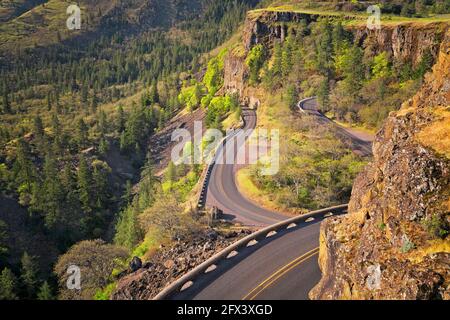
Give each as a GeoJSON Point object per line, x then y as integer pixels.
{"type": "Point", "coordinates": [283, 267]}
{"type": "Point", "coordinates": [223, 192]}
{"type": "Point", "coordinates": [358, 142]}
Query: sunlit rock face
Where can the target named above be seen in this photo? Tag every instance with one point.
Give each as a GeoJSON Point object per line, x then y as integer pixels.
{"type": "Point", "coordinates": [395, 243]}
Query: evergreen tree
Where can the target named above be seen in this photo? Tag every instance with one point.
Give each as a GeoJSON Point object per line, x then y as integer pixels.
{"type": "Point", "coordinates": [84, 184]}
{"type": "Point", "coordinates": [6, 103]}
{"type": "Point", "coordinates": [23, 168]}
{"type": "Point", "coordinates": [128, 194]}
{"type": "Point", "coordinates": [45, 292]}
{"type": "Point", "coordinates": [339, 38]}
{"type": "Point", "coordinates": [81, 136]}
{"type": "Point", "coordinates": [425, 64]}
{"type": "Point", "coordinates": [8, 285]}
{"type": "Point", "coordinates": [278, 56]}
{"type": "Point", "coordinates": [94, 103]}
{"type": "Point", "coordinates": [3, 243]}
{"type": "Point", "coordinates": [154, 94]}
{"type": "Point", "coordinates": [147, 185]}
{"type": "Point", "coordinates": [120, 123]}
{"type": "Point", "coordinates": [323, 95]}
{"type": "Point", "coordinates": [28, 275]}
{"type": "Point", "coordinates": [286, 62]}
{"type": "Point", "coordinates": [292, 97]}
{"type": "Point", "coordinates": [171, 172]}
{"type": "Point", "coordinates": [38, 127]}
{"type": "Point", "coordinates": [49, 102]}
{"type": "Point", "coordinates": [53, 193]}
{"type": "Point", "coordinates": [100, 180]}
{"type": "Point", "coordinates": [324, 49]}
{"type": "Point", "coordinates": [103, 147]}
{"type": "Point", "coordinates": [103, 123]}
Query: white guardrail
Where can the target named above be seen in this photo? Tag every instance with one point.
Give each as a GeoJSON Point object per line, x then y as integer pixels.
{"type": "Point", "coordinates": [201, 203]}
{"type": "Point", "coordinates": [186, 281]}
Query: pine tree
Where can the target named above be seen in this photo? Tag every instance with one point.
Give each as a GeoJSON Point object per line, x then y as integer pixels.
{"type": "Point", "coordinates": [28, 275]}
{"type": "Point", "coordinates": [425, 64]}
{"type": "Point", "coordinates": [94, 103]}
{"type": "Point", "coordinates": [128, 194]}
{"type": "Point", "coordinates": [45, 292]}
{"type": "Point", "coordinates": [123, 142]}
{"type": "Point", "coordinates": [38, 127]}
{"type": "Point", "coordinates": [286, 62]}
{"type": "Point", "coordinates": [103, 123]}
{"type": "Point", "coordinates": [81, 136]}
{"type": "Point", "coordinates": [23, 167]}
{"type": "Point", "coordinates": [324, 49]}
{"type": "Point", "coordinates": [339, 38]}
{"type": "Point", "coordinates": [323, 95]}
{"type": "Point", "coordinates": [6, 103]}
{"type": "Point", "coordinates": [278, 56]}
{"type": "Point", "coordinates": [84, 184]}
{"type": "Point", "coordinates": [154, 94]}
{"type": "Point", "coordinates": [292, 97]}
{"type": "Point", "coordinates": [8, 283]}
{"type": "Point", "coordinates": [100, 180]}
{"type": "Point", "coordinates": [171, 172]}
{"type": "Point", "coordinates": [147, 185]}
{"type": "Point", "coordinates": [53, 193]}
{"type": "Point", "coordinates": [49, 102]}
{"type": "Point", "coordinates": [103, 147]}
{"type": "Point", "coordinates": [3, 243]}
{"type": "Point", "coordinates": [120, 123]}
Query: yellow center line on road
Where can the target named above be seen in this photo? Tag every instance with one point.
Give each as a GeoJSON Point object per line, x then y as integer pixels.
{"type": "Point", "coordinates": [279, 273]}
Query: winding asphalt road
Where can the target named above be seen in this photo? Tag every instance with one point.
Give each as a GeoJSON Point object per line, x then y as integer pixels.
{"type": "Point", "coordinates": [283, 267]}
{"type": "Point", "coordinates": [222, 189]}
{"type": "Point", "coordinates": [360, 143]}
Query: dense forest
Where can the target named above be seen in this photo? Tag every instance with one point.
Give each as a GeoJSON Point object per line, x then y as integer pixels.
{"type": "Point", "coordinates": [63, 119]}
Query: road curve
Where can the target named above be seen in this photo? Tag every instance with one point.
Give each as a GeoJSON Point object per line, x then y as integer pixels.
{"type": "Point", "coordinates": [360, 144]}
{"type": "Point", "coordinates": [283, 267]}
{"type": "Point", "coordinates": [223, 192]}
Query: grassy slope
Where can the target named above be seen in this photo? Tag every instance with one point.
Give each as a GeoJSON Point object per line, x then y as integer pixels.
{"type": "Point", "coordinates": [45, 24]}
{"type": "Point", "coordinates": [349, 18]}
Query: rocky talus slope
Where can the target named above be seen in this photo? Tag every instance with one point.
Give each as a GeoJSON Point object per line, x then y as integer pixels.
{"type": "Point", "coordinates": [395, 242]}
{"type": "Point", "coordinates": [144, 281]}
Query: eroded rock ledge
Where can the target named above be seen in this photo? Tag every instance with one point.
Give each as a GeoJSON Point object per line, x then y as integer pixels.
{"type": "Point", "coordinates": [395, 243]}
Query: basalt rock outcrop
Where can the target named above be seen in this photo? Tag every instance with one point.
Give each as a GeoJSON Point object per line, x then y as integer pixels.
{"type": "Point", "coordinates": [395, 243]}
{"type": "Point", "coordinates": [170, 263]}
{"type": "Point", "coordinates": [403, 42]}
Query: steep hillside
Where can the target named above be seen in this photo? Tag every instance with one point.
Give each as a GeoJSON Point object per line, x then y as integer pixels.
{"type": "Point", "coordinates": [10, 9]}
{"type": "Point", "coordinates": [395, 243]}
{"type": "Point", "coordinates": [78, 111]}
{"type": "Point", "coordinates": [40, 23]}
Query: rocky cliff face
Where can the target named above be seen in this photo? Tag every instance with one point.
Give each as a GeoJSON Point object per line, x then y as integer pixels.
{"type": "Point", "coordinates": [395, 243]}
{"type": "Point", "coordinates": [403, 42]}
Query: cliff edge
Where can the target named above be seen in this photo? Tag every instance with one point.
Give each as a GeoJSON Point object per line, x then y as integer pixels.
{"type": "Point", "coordinates": [395, 243]}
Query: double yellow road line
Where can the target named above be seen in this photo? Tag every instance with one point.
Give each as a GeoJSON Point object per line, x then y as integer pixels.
{"type": "Point", "coordinates": [280, 273]}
